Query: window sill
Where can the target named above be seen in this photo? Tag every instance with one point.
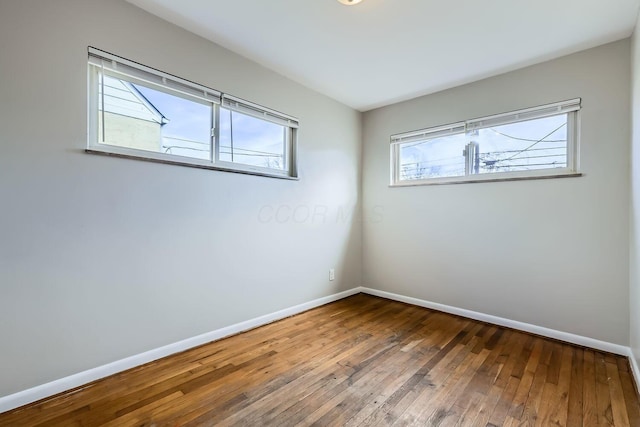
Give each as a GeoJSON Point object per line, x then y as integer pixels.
{"type": "Point", "coordinates": [112, 152]}
{"type": "Point", "coordinates": [486, 178]}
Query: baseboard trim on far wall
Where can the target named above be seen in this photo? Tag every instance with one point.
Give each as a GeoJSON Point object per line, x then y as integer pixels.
{"type": "Point", "coordinates": [501, 321]}
{"type": "Point", "coordinates": [52, 388]}
{"type": "Point", "coordinates": [521, 326]}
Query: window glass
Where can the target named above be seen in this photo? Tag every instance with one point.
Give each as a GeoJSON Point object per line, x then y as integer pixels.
{"type": "Point", "coordinates": [522, 146]}
{"type": "Point", "coordinates": [139, 117]}
{"type": "Point", "coordinates": [433, 158]}
{"type": "Point", "coordinates": [251, 141]}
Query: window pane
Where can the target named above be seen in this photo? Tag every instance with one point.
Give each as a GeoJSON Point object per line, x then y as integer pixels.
{"type": "Point", "coordinates": [139, 117]}
{"type": "Point", "coordinates": [433, 158]}
{"type": "Point", "coordinates": [523, 146]}
{"type": "Point", "coordinates": [251, 141]}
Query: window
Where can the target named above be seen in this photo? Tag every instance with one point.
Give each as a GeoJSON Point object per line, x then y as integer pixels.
{"type": "Point", "coordinates": [139, 112]}
{"type": "Point", "coordinates": [532, 143]}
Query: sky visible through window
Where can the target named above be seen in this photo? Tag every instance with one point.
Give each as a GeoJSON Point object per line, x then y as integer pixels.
{"type": "Point", "coordinates": [255, 142]}
{"type": "Point", "coordinates": [187, 123]}
{"type": "Point", "coordinates": [188, 127]}
{"type": "Point", "coordinates": [523, 146]}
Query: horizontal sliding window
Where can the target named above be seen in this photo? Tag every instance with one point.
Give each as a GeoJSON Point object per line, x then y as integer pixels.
{"type": "Point", "coordinates": [139, 112]}
{"type": "Point", "coordinates": [251, 141]}
{"type": "Point", "coordinates": [530, 143]}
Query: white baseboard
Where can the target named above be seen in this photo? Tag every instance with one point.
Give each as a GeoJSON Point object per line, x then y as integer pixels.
{"type": "Point", "coordinates": [635, 370]}
{"type": "Point", "coordinates": [43, 391]}
{"type": "Point", "coordinates": [526, 327]}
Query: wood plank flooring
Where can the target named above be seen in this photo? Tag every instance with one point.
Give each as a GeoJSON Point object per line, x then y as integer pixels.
{"type": "Point", "coordinates": [360, 361]}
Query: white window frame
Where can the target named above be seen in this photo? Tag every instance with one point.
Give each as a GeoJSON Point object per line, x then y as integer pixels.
{"type": "Point", "coordinates": [130, 71]}
{"type": "Point", "coordinates": [569, 107]}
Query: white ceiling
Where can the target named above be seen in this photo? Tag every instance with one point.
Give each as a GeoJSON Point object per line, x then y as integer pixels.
{"type": "Point", "coordinates": [383, 51]}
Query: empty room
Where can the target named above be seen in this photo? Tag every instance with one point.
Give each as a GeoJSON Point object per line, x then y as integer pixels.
{"type": "Point", "coordinates": [327, 212]}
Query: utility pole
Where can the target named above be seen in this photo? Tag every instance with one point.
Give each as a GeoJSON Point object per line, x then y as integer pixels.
{"type": "Point", "coordinates": [472, 158]}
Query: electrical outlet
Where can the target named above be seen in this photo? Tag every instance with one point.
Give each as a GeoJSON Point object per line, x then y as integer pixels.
{"type": "Point", "coordinates": [332, 274]}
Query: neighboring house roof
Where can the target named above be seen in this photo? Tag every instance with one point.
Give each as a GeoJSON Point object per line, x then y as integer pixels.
{"type": "Point", "coordinates": [123, 98]}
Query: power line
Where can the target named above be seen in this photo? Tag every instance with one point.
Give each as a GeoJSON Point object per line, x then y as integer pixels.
{"type": "Point", "coordinates": [246, 149]}
{"type": "Point", "coordinates": [522, 158]}
{"type": "Point", "coordinates": [460, 159]}
{"type": "Point", "coordinates": [524, 139]}
{"type": "Point", "coordinates": [538, 141]}
{"type": "Point", "coordinates": [517, 151]}
{"type": "Point", "coordinates": [532, 164]}
{"type": "Point", "coordinates": [251, 155]}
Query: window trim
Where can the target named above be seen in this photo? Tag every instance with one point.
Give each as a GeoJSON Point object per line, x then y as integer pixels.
{"type": "Point", "coordinates": [113, 65]}
{"type": "Point", "coordinates": [548, 110]}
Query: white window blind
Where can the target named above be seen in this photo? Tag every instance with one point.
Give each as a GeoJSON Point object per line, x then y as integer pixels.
{"type": "Point", "coordinates": [115, 65]}
{"type": "Point", "coordinates": [245, 107]}
{"type": "Point", "coordinates": [489, 121]}
{"type": "Point", "coordinates": [522, 115]}
{"type": "Point", "coordinates": [435, 132]}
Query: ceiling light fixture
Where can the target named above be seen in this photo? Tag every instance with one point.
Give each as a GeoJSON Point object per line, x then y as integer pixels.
{"type": "Point", "coordinates": [349, 2]}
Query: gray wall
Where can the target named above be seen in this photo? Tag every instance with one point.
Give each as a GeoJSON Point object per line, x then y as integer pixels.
{"type": "Point", "coordinates": [553, 253]}
{"type": "Point", "coordinates": [634, 285]}
{"type": "Point", "coordinates": [103, 258]}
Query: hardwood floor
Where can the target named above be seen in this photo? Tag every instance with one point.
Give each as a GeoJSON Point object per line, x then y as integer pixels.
{"type": "Point", "coordinates": [359, 361]}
